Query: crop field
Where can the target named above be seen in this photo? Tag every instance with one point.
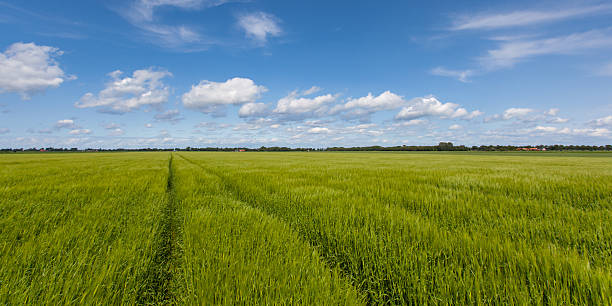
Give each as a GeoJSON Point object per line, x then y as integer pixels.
{"type": "Point", "coordinates": [306, 228]}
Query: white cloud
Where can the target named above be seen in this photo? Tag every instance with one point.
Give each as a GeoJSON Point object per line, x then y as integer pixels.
{"type": "Point", "coordinates": [529, 115]}
{"type": "Point", "coordinates": [121, 95]}
{"type": "Point", "coordinates": [455, 127]}
{"type": "Point", "coordinates": [604, 121]}
{"type": "Point", "coordinates": [79, 131]}
{"type": "Point", "coordinates": [148, 125]}
{"type": "Point", "coordinates": [557, 120]}
{"type": "Point", "coordinates": [311, 90]}
{"type": "Point", "coordinates": [516, 113]}
{"type": "Point", "coordinates": [207, 95]}
{"type": "Point", "coordinates": [359, 127]}
{"type": "Point", "coordinates": [253, 110]}
{"type": "Point", "coordinates": [430, 106]}
{"type": "Point", "coordinates": [461, 75]}
{"type": "Point", "coordinates": [172, 115]}
{"type": "Point", "coordinates": [547, 129]}
{"type": "Point", "coordinates": [552, 112]}
{"type": "Point", "coordinates": [513, 51]}
{"type": "Point", "coordinates": [117, 132]}
{"type": "Point", "coordinates": [385, 101]}
{"type": "Point", "coordinates": [596, 132]}
{"type": "Point", "coordinates": [318, 130]}
{"type": "Point", "coordinates": [259, 26]}
{"type": "Point", "coordinates": [523, 18]}
{"type": "Point", "coordinates": [26, 69]}
{"type": "Point", "coordinates": [4, 131]}
{"type": "Point", "coordinates": [144, 9]}
{"type": "Point", "coordinates": [412, 122]}
{"type": "Point", "coordinates": [112, 125]}
{"type": "Point", "coordinates": [294, 104]}
{"type": "Point", "coordinates": [141, 14]}
{"type": "Point", "coordinates": [65, 123]}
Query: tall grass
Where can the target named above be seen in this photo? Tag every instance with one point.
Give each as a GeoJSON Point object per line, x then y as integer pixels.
{"type": "Point", "coordinates": [306, 228]}
{"type": "Point", "coordinates": [427, 228]}
{"type": "Point", "coordinates": [237, 254]}
{"type": "Point", "coordinates": [78, 228]}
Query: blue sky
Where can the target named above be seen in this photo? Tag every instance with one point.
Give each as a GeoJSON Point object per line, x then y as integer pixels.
{"type": "Point", "coordinates": [166, 73]}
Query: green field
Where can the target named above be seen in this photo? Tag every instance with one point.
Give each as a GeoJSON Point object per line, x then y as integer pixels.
{"type": "Point", "coordinates": [306, 228]}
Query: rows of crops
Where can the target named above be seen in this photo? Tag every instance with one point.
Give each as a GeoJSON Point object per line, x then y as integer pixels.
{"type": "Point", "coordinates": [309, 228]}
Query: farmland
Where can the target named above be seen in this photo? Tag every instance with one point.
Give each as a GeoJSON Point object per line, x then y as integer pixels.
{"type": "Point", "coordinates": [306, 228]}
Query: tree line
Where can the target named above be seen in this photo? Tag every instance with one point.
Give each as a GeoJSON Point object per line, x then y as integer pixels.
{"type": "Point", "coordinates": [442, 146]}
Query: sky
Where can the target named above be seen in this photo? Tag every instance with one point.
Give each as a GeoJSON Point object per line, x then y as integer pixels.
{"type": "Point", "coordinates": [222, 73]}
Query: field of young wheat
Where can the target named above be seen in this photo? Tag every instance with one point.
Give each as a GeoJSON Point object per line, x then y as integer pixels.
{"type": "Point", "coordinates": [306, 228]}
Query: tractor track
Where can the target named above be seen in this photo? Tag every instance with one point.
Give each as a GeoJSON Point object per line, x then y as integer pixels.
{"type": "Point", "coordinates": [158, 279]}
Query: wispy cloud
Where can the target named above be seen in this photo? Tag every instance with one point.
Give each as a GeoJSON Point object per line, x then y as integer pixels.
{"type": "Point", "coordinates": [604, 121]}
{"type": "Point", "coordinates": [510, 52]}
{"type": "Point", "coordinates": [142, 14]}
{"type": "Point", "coordinates": [173, 116]}
{"type": "Point", "coordinates": [514, 48]}
{"type": "Point", "coordinates": [461, 75]}
{"type": "Point", "coordinates": [525, 17]}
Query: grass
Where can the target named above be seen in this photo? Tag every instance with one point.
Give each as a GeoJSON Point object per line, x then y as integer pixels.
{"type": "Point", "coordinates": [306, 228]}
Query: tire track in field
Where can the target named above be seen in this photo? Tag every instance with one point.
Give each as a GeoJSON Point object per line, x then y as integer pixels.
{"type": "Point", "coordinates": [323, 255]}
{"type": "Point", "coordinates": [158, 278]}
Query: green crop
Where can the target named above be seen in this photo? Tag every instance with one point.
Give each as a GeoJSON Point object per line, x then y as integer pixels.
{"type": "Point", "coordinates": [306, 228]}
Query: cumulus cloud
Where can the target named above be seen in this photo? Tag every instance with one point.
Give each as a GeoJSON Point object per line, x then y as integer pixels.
{"type": "Point", "coordinates": [604, 121]}
{"type": "Point", "coordinates": [207, 95]}
{"type": "Point", "coordinates": [370, 103]}
{"type": "Point", "coordinates": [27, 68]}
{"type": "Point", "coordinates": [318, 130]}
{"type": "Point", "coordinates": [144, 88]}
{"type": "Point", "coordinates": [529, 115]}
{"type": "Point", "coordinates": [65, 123]}
{"type": "Point", "coordinates": [596, 132]}
{"type": "Point", "coordinates": [514, 113]}
{"type": "Point", "coordinates": [253, 110]}
{"type": "Point", "coordinates": [552, 112]}
{"type": "Point", "coordinates": [430, 106]}
{"type": "Point", "coordinates": [455, 127]}
{"type": "Point", "coordinates": [412, 122]}
{"type": "Point", "coordinates": [360, 127]}
{"type": "Point", "coordinates": [294, 104]}
{"type": "Point", "coordinates": [525, 17]}
{"type": "Point", "coordinates": [79, 131]}
{"type": "Point", "coordinates": [116, 132]}
{"type": "Point", "coordinates": [259, 26]}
